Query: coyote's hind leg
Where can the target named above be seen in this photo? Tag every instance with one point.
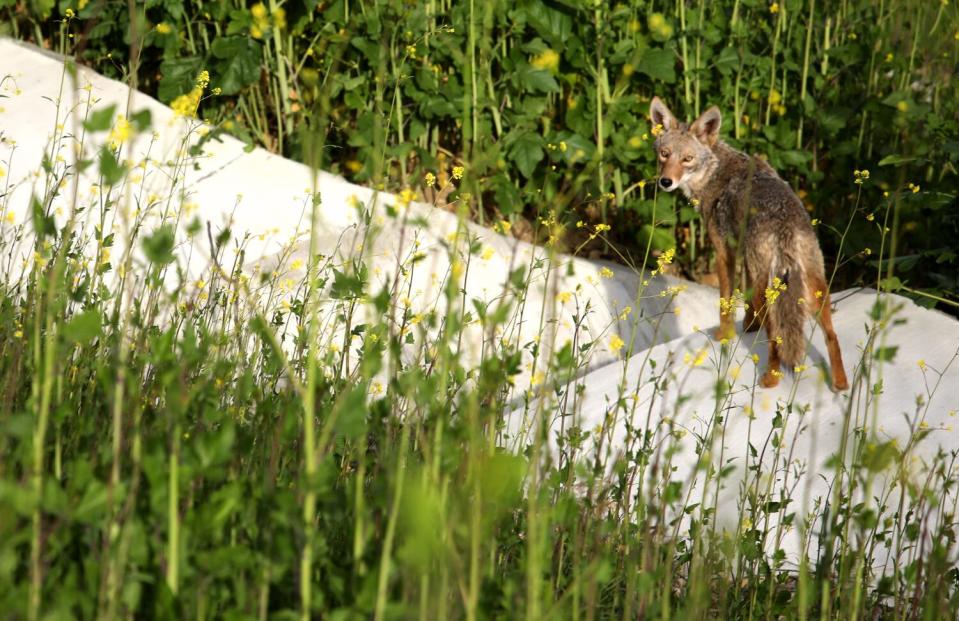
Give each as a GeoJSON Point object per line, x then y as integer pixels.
{"type": "Point", "coordinates": [819, 294]}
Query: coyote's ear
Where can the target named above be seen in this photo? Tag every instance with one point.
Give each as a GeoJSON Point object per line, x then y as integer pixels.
{"type": "Point", "coordinates": [660, 114]}
{"type": "Point", "coordinates": [706, 127]}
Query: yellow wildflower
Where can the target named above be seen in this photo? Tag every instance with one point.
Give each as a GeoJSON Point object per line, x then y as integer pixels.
{"type": "Point", "coordinates": [163, 28]}
{"type": "Point", "coordinates": [279, 18]}
{"type": "Point", "coordinates": [405, 197]}
{"type": "Point", "coordinates": [774, 8]}
{"type": "Point", "coordinates": [772, 292]}
{"type": "Point", "coordinates": [657, 24]}
{"type": "Point", "coordinates": [698, 360]}
{"type": "Point", "coordinates": [548, 59]}
{"type": "Point", "coordinates": [606, 272]}
{"type": "Point", "coordinates": [458, 172]}
{"type": "Point", "coordinates": [564, 296]}
{"type": "Point", "coordinates": [120, 132]}
{"type": "Point", "coordinates": [615, 343]}
{"type": "Point", "coordinates": [429, 179]}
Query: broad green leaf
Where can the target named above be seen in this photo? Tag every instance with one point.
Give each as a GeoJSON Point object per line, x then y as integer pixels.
{"type": "Point", "coordinates": [100, 119]}
{"type": "Point", "coordinates": [538, 80]}
{"type": "Point", "coordinates": [110, 169]}
{"type": "Point", "coordinates": [239, 64]}
{"type": "Point", "coordinates": [526, 152]}
{"type": "Point", "coordinates": [83, 327]}
{"type": "Point", "coordinates": [158, 246]}
{"type": "Point", "coordinates": [659, 64]}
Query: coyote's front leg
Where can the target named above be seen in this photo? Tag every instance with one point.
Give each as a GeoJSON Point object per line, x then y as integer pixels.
{"type": "Point", "coordinates": [726, 268]}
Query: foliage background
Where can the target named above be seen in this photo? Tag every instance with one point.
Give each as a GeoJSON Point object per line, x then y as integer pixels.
{"type": "Point", "coordinates": [545, 102]}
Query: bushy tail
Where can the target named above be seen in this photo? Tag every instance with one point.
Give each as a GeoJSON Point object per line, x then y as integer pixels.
{"type": "Point", "coordinates": [786, 315]}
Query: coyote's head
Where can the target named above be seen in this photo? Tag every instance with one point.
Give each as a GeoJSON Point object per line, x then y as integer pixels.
{"type": "Point", "coordinates": [685, 154]}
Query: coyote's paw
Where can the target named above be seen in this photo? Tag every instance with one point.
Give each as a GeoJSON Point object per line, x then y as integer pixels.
{"type": "Point", "coordinates": [840, 383]}
{"type": "Point", "coordinates": [769, 379]}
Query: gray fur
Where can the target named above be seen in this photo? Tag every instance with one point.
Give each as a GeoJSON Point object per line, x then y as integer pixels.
{"type": "Point", "coordinates": [748, 211]}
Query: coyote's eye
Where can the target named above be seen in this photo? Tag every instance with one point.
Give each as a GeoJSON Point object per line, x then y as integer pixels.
{"type": "Point", "coordinates": [664, 154]}
{"type": "Point", "coordinates": [687, 158]}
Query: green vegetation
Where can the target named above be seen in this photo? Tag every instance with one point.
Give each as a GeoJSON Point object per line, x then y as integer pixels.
{"type": "Point", "coordinates": [554, 96]}
{"type": "Point", "coordinates": [264, 446]}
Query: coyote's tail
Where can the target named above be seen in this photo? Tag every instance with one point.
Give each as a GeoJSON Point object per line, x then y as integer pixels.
{"type": "Point", "coordinates": [786, 314]}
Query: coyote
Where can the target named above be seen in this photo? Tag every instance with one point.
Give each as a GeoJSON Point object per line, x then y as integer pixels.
{"type": "Point", "coordinates": [746, 204]}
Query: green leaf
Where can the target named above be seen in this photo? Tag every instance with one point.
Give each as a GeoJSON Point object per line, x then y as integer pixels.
{"type": "Point", "coordinates": [239, 64]}
{"type": "Point", "coordinates": [83, 327]}
{"type": "Point", "coordinates": [158, 247]}
{"type": "Point", "coordinates": [878, 457]}
{"type": "Point", "coordinates": [886, 354]}
{"type": "Point", "coordinates": [177, 76]}
{"type": "Point", "coordinates": [110, 169]}
{"type": "Point", "coordinates": [895, 160]}
{"type": "Point", "coordinates": [142, 119]}
{"type": "Point", "coordinates": [890, 284]}
{"type": "Point", "coordinates": [527, 152]}
{"type": "Point", "coordinates": [662, 238]}
{"type": "Point", "coordinates": [43, 224]}
{"type": "Point", "coordinates": [346, 287]}
{"type": "Point", "coordinates": [351, 422]}
{"type": "Point", "coordinates": [100, 120]}
{"type": "Point", "coordinates": [537, 80]}
{"type": "Point", "coordinates": [659, 64]}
